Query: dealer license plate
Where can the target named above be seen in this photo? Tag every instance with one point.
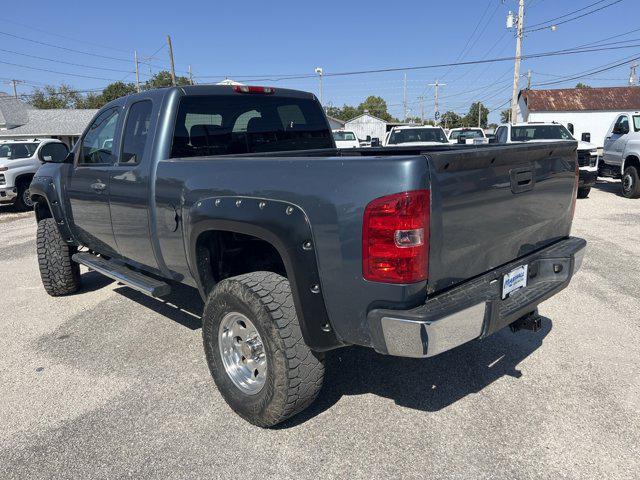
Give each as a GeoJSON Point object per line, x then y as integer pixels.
{"type": "Point", "coordinates": [514, 280]}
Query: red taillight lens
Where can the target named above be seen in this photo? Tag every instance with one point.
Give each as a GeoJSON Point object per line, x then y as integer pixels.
{"type": "Point", "coordinates": [252, 89]}
{"type": "Point", "coordinates": [395, 238]}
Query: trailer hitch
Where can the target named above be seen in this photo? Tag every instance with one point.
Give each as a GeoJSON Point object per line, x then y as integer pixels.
{"type": "Point", "coordinates": [530, 321]}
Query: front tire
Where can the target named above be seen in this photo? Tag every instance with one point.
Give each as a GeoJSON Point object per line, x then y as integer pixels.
{"type": "Point", "coordinates": [583, 192]}
{"type": "Point", "coordinates": [255, 350]}
{"type": "Point", "coordinates": [60, 275]}
{"type": "Point", "coordinates": [23, 200]}
{"type": "Point", "coordinates": [631, 183]}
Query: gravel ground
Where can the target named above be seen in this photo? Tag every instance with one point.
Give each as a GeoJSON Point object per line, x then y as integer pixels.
{"type": "Point", "coordinates": [109, 384]}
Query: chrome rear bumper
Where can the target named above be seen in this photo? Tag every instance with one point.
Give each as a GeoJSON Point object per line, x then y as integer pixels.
{"type": "Point", "coordinates": [475, 309]}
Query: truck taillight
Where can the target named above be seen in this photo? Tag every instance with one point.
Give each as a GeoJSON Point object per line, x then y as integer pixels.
{"type": "Point", "coordinates": [395, 238]}
{"type": "Point", "coordinates": [253, 89]}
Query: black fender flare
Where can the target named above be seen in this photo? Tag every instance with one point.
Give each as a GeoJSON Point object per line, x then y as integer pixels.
{"type": "Point", "coordinates": [45, 187]}
{"type": "Point", "coordinates": [286, 227]}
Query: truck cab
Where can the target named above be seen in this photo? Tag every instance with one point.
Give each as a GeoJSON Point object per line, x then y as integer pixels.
{"type": "Point", "coordinates": [18, 164]}
{"type": "Point", "coordinates": [533, 132]}
{"type": "Point", "coordinates": [621, 157]}
{"type": "Point", "coordinates": [467, 135]}
{"type": "Point", "coordinates": [415, 136]}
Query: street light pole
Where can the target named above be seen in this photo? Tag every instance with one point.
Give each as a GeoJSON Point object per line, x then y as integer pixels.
{"type": "Point", "coordinates": [319, 72]}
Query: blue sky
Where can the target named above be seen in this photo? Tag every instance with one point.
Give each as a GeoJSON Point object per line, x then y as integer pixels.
{"type": "Point", "coordinates": [252, 39]}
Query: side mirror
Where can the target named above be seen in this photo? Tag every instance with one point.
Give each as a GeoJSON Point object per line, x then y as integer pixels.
{"type": "Point", "coordinates": [492, 139]}
{"type": "Point", "coordinates": [570, 127]}
{"type": "Point", "coordinates": [368, 138]}
{"type": "Point", "coordinates": [53, 153]}
{"type": "Point", "coordinates": [375, 142]}
{"type": "Point", "coordinates": [586, 137]}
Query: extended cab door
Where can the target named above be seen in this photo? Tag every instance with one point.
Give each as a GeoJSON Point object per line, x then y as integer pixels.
{"type": "Point", "coordinates": [129, 196]}
{"type": "Point", "coordinates": [616, 140]}
{"type": "Point", "coordinates": [88, 184]}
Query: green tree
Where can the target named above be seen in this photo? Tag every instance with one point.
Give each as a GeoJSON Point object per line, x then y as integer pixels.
{"type": "Point", "coordinates": [505, 115]}
{"type": "Point", "coordinates": [377, 107]}
{"type": "Point", "coordinates": [347, 112]}
{"type": "Point", "coordinates": [582, 85]}
{"type": "Point", "coordinates": [450, 120]}
{"type": "Point", "coordinates": [471, 118]}
{"type": "Point", "coordinates": [90, 100]}
{"type": "Point", "coordinates": [163, 79]}
{"type": "Point", "coordinates": [117, 90]}
{"type": "Point", "coordinates": [56, 97]}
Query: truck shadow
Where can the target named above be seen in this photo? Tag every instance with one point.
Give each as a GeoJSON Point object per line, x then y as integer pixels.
{"type": "Point", "coordinates": [183, 305]}
{"type": "Point", "coordinates": [609, 187]}
{"type": "Point", "coordinates": [428, 384]}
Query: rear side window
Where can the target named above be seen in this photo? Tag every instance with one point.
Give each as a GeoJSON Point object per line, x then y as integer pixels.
{"type": "Point", "coordinates": [136, 132]}
{"type": "Point", "coordinates": [97, 144]}
{"type": "Point", "coordinates": [236, 124]}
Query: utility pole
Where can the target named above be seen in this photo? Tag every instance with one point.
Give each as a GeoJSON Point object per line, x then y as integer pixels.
{"type": "Point", "coordinates": [421, 98]}
{"type": "Point", "coordinates": [516, 67]}
{"type": "Point", "coordinates": [404, 97]}
{"type": "Point", "coordinates": [135, 58]}
{"type": "Point", "coordinates": [436, 111]}
{"type": "Point", "coordinates": [479, 112]}
{"type": "Point", "coordinates": [15, 90]}
{"type": "Point", "coordinates": [633, 76]}
{"type": "Point", "coordinates": [173, 70]}
{"type": "Point", "coordinates": [190, 76]}
{"type": "Point", "coordinates": [529, 79]}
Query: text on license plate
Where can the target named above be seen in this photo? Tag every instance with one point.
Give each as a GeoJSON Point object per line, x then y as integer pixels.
{"type": "Point", "coordinates": [515, 279]}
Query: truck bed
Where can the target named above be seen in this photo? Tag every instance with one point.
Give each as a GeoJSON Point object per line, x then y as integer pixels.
{"type": "Point", "coordinates": [489, 206]}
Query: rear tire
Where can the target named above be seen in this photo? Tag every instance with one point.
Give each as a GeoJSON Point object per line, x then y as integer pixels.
{"type": "Point", "coordinates": [60, 275]}
{"type": "Point", "coordinates": [583, 192]}
{"type": "Point", "coordinates": [631, 183]}
{"type": "Point", "coordinates": [293, 374]}
{"type": "Point", "coordinates": [23, 200]}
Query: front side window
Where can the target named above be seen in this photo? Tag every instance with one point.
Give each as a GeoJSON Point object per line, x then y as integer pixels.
{"type": "Point", "coordinates": [501, 135]}
{"type": "Point", "coordinates": [16, 151]}
{"type": "Point", "coordinates": [136, 132]}
{"type": "Point", "coordinates": [636, 123]}
{"type": "Point", "coordinates": [97, 144]}
{"type": "Point", "coordinates": [539, 132]}
{"type": "Point", "coordinates": [417, 135]}
{"type": "Point", "coordinates": [237, 124]}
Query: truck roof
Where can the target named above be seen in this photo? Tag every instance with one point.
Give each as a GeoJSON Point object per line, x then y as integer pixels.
{"type": "Point", "coordinates": [405, 127]}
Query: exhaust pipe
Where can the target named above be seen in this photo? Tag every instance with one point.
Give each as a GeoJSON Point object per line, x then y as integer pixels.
{"type": "Point", "coordinates": [530, 321]}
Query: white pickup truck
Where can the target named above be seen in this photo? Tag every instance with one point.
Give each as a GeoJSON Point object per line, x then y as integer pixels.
{"type": "Point", "coordinates": [621, 158]}
{"type": "Point", "coordinates": [18, 163]}
{"type": "Point", "coordinates": [415, 136]}
{"type": "Point", "coordinates": [468, 135]}
{"type": "Point", "coordinates": [552, 131]}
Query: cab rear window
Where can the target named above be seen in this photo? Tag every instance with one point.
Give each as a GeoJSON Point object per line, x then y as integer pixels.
{"type": "Point", "coordinates": [209, 125]}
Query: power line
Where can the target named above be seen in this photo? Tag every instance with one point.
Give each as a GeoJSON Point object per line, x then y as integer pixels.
{"type": "Point", "coordinates": [13, 22]}
{"type": "Point", "coordinates": [58, 73]}
{"type": "Point", "coordinates": [567, 14]}
{"type": "Point", "coordinates": [529, 30]}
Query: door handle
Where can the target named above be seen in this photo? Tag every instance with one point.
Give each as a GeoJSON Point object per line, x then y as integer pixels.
{"type": "Point", "coordinates": [98, 186]}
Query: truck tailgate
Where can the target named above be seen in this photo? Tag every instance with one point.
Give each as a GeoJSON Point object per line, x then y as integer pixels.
{"type": "Point", "coordinates": [492, 205]}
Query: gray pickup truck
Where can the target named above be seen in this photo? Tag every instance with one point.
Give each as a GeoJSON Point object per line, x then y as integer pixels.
{"type": "Point", "coordinates": [298, 248]}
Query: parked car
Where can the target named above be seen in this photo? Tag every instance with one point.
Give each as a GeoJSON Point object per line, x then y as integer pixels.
{"type": "Point", "coordinates": [18, 163]}
{"type": "Point", "coordinates": [468, 135]}
{"type": "Point", "coordinates": [554, 132]}
{"type": "Point", "coordinates": [415, 136]}
{"type": "Point", "coordinates": [621, 158]}
{"type": "Point", "coordinates": [297, 247]}
{"type": "Point", "coordinates": [345, 139]}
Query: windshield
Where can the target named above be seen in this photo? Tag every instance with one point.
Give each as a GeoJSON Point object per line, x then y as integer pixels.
{"type": "Point", "coordinates": [236, 124]}
{"type": "Point", "coordinates": [456, 134]}
{"type": "Point", "coordinates": [342, 136]}
{"type": "Point", "coordinates": [408, 135]}
{"type": "Point", "coordinates": [539, 132]}
{"type": "Point", "coordinates": [636, 123]}
{"type": "Point", "coordinates": [15, 151]}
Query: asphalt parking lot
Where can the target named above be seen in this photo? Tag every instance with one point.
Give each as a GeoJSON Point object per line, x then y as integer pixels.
{"type": "Point", "coordinates": [109, 383]}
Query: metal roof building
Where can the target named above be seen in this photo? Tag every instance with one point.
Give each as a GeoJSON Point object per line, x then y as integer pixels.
{"type": "Point", "coordinates": [590, 110]}
{"type": "Point", "coordinates": [20, 121]}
